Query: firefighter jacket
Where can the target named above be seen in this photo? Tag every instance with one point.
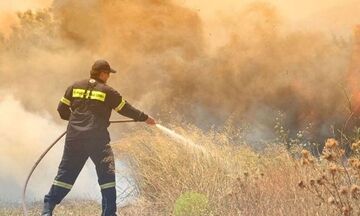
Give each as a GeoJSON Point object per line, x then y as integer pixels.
{"type": "Point", "coordinates": [87, 104]}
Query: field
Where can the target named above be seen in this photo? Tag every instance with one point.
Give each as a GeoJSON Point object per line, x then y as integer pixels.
{"type": "Point", "coordinates": [266, 104]}
{"type": "Point", "coordinates": [73, 207]}
{"type": "Point", "coordinates": [227, 177]}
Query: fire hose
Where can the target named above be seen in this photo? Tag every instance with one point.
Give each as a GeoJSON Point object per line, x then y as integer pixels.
{"type": "Point", "coordinates": [42, 156]}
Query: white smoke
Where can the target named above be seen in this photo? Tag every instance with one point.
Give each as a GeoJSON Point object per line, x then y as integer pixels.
{"type": "Point", "coordinates": [24, 136]}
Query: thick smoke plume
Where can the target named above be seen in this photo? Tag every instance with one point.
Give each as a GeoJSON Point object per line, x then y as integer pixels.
{"type": "Point", "coordinates": [165, 67]}
{"type": "Point", "coordinates": [159, 49]}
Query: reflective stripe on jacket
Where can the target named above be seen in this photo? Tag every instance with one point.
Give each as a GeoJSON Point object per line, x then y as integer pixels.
{"type": "Point", "coordinates": [87, 104]}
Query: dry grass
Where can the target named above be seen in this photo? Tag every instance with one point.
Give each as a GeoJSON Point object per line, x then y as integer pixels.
{"type": "Point", "coordinates": [235, 179]}
{"type": "Point", "coordinates": [230, 178]}
{"type": "Point", "coordinates": [73, 207]}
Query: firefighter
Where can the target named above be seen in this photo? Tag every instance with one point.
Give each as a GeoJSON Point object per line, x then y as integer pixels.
{"type": "Point", "coordinates": [87, 105]}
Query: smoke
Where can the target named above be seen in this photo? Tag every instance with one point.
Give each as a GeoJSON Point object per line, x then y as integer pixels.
{"type": "Point", "coordinates": [160, 46]}
{"type": "Point", "coordinates": [24, 136]}
{"type": "Point", "coordinates": [168, 66]}
{"type": "Point", "coordinates": [8, 11]}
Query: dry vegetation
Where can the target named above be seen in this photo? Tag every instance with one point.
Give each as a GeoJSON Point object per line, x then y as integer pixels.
{"type": "Point", "coordinates": [232, 179]}
{"type": "Point", "coordinates": [73, 207]}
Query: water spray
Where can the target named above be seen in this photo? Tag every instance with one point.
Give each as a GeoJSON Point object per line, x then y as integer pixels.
{"type": "Point", "coordinates": [181, 139]}
{"type": "Point", "coordinates": [43, 155]}
{"type": "Point", "coordinates": [190, 144]}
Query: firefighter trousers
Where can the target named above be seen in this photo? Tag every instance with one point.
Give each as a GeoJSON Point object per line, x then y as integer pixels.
{"type": "Point", "coordinates": [76, 153]}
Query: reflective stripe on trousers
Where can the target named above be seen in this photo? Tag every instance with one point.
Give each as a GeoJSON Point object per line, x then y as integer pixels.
{"type": "Point", "coordinates": [76, 153]}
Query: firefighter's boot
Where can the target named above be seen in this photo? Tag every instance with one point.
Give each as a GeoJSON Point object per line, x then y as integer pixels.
{"type": "Point", "coordinates": [48, 209]}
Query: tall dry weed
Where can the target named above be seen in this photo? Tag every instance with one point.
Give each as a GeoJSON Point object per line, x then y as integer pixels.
{"type": "Point", "coordinates": [235, 179]}
{"type": "Point", "coordinates": [334, 178]}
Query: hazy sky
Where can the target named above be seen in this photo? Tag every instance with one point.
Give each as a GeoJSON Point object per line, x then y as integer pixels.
{"type": "Point", "coordinates": [9, 8]}
{"type": "Point", "coordinates": [296, 10]}
{"type": "Point", "coordinates": [332, 15]}
{"type": "Point", "coordinates": [328, 15]}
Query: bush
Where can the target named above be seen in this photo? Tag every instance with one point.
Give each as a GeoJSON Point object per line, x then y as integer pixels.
{"type": "Point", "coordinates": [191, 203]}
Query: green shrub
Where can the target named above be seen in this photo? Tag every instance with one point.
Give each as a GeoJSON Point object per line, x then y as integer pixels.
{"type": "Point", "coordinates": [191, 204]}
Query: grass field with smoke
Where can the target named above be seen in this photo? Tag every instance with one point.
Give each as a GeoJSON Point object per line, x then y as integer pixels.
{"type": "Point", "coordinates": [266, 116]}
